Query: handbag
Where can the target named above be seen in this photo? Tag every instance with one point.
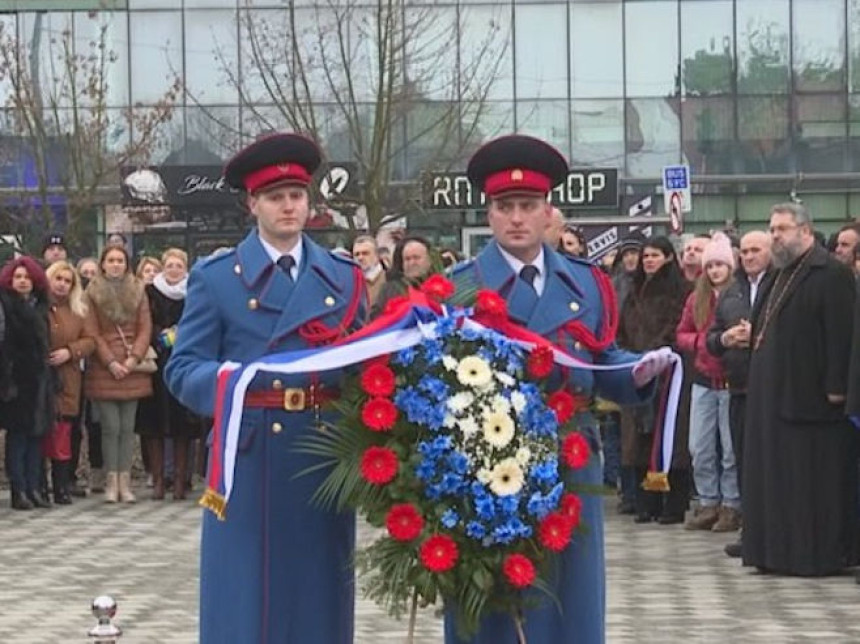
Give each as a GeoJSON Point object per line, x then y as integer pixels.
{"type": "Point", "coordinates": [57, 443]}
{"type": "Point", "coordinates": [148, 363]}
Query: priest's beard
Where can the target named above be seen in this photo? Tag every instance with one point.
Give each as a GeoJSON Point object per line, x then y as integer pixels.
{"type": "Point", "coordinates": [786, 253]}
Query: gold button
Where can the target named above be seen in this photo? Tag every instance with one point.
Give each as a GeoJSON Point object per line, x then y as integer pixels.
{"type": "Point", "coordinates": [253, 304]}
{"type": "Point", "coordinates": [277, 428]}
{"type": "Point", "coordinates": [277, 384]}
{"type": "Point", "coordinates": [329, 301]}
{"type": "Point", "coordinates": [237, 269]}
{"type": "Point", "coordinates": [577, 346]}
{"type": "Point", "coordinates": [574, 306]}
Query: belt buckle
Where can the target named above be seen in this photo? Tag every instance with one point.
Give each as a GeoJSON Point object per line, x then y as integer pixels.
{"type": "Point", "coordinates": [294, 399]}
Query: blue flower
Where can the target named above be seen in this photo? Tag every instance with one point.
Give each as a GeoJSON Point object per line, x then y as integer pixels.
{"type": "Point", "coordinates": [426, 470]}
{"type": "Point", "coordinates": [470, 335]}
{"type": "Point", "coordinates": [484, 507]}
{"type": "Point", "coordinates": [433, 492]}
{"type": "Point", "coordinates": [458, 462]}
{"type": "Point", "coordinates": [450, 518]}
{"type": "Point", "coordinates": [404, 357]}
{"type": "Point", "coordinates": [545, 473]}
{"type": "Point", "coordinates": [445, 326]}
{"type": "Point", "coordinates": [435, 417]}
{"type": "Point", "coordinates": [432, 351]}
{"type": "Point", "coordinates": [504, 533]}
{"type": "Point", "coordinates": [452, 483]}
{"type": "Point", "coordinates": [508, 504]}
{"type": "Point", "coordinates": [476, 530]}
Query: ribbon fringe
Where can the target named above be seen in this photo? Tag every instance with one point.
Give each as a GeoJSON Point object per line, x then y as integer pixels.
{"type": "Point", "coordinates": [214, 502]}
{"type": "Point", "coordinates": [656, 482]}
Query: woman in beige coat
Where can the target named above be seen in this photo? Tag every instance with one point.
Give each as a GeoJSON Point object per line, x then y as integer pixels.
{"type": "Point", "coordinates": [118, 319]}
{"type": "Point", "coordinates": [69, 346]}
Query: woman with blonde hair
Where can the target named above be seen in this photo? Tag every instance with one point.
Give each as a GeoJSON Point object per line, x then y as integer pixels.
{"type": "Point", "coordinates": [147, 268]}
{"type": "Point", "coordinates": [170, 419]}
{"type": "Point", "coordinates": [69, 345]}
{"type": "Point", "coordinates": [119, 321]}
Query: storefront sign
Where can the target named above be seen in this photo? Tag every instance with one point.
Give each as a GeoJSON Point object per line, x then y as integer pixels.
{"type": "Point", "coordinates": [584, 188]}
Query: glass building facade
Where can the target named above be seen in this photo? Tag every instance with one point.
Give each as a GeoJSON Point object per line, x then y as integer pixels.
{"type": "Point", "coordinates": [760, 97]}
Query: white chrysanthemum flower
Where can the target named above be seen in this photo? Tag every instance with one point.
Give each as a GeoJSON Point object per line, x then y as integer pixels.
{"type": "Point", "coordinates": [468, 426]}
{"type": "Point", "coordinates": [460, 401]}
{"type": "Point", "coordinates": [484, 475]}
{"type": "Point", "coordinates": [518, 400]}
{"type": "Point", "coordinates": [501, 404]}
{"type": "Point", "coordinates": [505, 379]}
{"type": "Point", "coordinates": [474, 372]}
{"type": "Point", "coordinates": [507, 478]}
{"type": "Point", "coordinates": [450, 421]}
{"type": "Point", "coordinates": [450, 363]}
{"type": "Point", "coordinates": [498, 429]}
{"type": "Point", "coordinates": [523, 456]}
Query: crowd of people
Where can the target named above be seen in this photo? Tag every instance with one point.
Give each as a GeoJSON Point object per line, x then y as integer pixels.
{"type": "Point", "coordinates": [85, 346]}
{"type": "Point", "coordinates": [83, 349]}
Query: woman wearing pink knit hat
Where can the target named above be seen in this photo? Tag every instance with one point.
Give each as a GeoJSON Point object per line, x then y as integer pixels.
{"type": "Point", "coordinates": [717, 485]}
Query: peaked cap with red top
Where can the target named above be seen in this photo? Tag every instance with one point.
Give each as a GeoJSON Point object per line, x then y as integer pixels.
{"type": "Point", "coordinates": [276, 159]}
{"type": "Point", "coordinates": [517, 164]}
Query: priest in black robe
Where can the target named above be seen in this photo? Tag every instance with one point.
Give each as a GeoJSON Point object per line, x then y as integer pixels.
{"type": "Point", "coordinates": [800, 467]}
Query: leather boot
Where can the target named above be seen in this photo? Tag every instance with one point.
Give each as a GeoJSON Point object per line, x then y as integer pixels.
{"type": "Point", "coordinates": [37, 499]}
{"type": "Point", "coordinates": [60, 482]}
{"type": "Point", "coordinates": [156, 466]}
{"type": "Point", "coordinates": [125, 493]}
{"type": "Point", "coordinates": [112, 487]}
{"type": "Point", "coordinates": [20, 500]}
{"type": "Point", "coordinates": [180, 468]}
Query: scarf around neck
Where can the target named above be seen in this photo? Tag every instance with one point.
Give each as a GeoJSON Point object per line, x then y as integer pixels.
{"type": "Point", "coordinates": [176, 291]}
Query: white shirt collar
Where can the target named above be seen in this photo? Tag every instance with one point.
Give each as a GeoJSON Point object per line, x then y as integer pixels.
{"type": "Point", "coordinates": [539, 263]}
{"type": "Point", "coordinates": [296, 253]}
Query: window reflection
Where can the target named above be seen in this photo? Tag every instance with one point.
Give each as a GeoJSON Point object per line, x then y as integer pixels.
{"type": "Point", "coordinates": [709, 134]}
{"type": "Point", "coordinates": [547, 120]}
{"type": "Point", "coordinates": [854, 45]}
{"type": "Point", "coordinates": [598, 133]}
{"type": "Point", "coordinates": [210, 57]}
{"type": "Point", "coordinates": [541, 35]}
{"type": "Point", "coordinates": [156, 53]}
{"type": "Point", "coordinates": [652, 62]}
{"type": "Point", "coordinates": [819, 44]}
{"type": "Point", "coordinates": [485, 47]}
{"type": "Point", "coordinates": [211, 133]}
{"type": "Point", "coordinates": [432, 135]}
{"type": "Point", "coordinates": [40, 35]}
{"type": "Point", "coordinates": [820, 132]}
{"type": "Point", "coordinates": [653, 135]}
{"type": "Point", "coordinates": [596, 50]}
{"type": "Point", "coordinates": [765, 144]}
{"type": "Point", "coordinates": [763, 46]}
{"type": "Point", "coordinates": [431, 44]}
{"type": "Point", "coordinates": [854, 133]}
{"type": "Point", "coordinates": [168, 140]}
{"type": "Point", "coordinates": [110, 30]}
{"type": "Point", "coordinates": [707, 45]}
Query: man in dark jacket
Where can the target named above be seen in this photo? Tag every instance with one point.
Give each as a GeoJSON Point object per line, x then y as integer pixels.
{"type": "Point", "coordinates": [730, 334]}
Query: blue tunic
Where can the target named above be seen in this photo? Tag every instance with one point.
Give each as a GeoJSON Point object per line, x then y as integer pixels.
{"type": "Point", "coordinates": [570, 293]}
{"type": "Point", "coordinates": [277, 569]}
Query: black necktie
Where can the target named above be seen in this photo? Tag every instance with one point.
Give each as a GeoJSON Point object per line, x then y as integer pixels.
{"type": "Point", "coordinates": [528, 273]}
{"type": "Point", "coordinates": [286, 262]}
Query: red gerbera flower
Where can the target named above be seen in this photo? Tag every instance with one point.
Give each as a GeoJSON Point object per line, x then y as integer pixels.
{"type": "Point", "coordinates": [404, 522]}
{"type": "Point", "coordinates": [379, 414]}
{"type": "Point", "coordinates": [378, 465]}
{"type": "Point", "coordinates": [574, 450]}
{"type": "Point", "coordinates": [540, 361]}
{"type": "Point", "coordinates": [518, 570]}
{"type": "Point", "coordinates": [554, 531]}
{"type": "Point", "coordinates": [377, 380]}
{"type": "Point", "coordinates": [439, 553]}
{"type": "Point", "coordinates": [437, 287]}
{"type": "Point", "coordinates": [571, 508]}
{"type": "Point", "coordinates": [563, 404]}
{"type": "Point", "coordinates": [491, 304]}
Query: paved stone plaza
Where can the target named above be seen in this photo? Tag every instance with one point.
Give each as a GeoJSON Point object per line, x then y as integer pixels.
{"type": "Point", "coordinates": [665, 584]}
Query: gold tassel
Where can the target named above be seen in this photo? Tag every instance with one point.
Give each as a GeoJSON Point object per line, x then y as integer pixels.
{"type": "Point", "coordinates": [214, 502]}
{"type": "Point", "coordinates": [656, 482]}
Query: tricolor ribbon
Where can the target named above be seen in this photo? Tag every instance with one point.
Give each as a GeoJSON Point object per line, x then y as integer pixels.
{"type": "Point", "coordinates": [406, 324]}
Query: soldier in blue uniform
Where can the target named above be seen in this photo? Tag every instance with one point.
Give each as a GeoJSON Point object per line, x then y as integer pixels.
{"type": "Point", "coordinates": [277, 568]}
{"type": "Point", "coordinates": [571, 303]}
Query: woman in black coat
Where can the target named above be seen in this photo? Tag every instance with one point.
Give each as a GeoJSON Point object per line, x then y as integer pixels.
{"type": "Point", "coordinates": [169, 419]}
{"type": "Point", "coordinates": [26, 394]}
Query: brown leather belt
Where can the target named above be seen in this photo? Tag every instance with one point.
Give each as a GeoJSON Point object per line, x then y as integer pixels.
{"type": "Point", "coordinates": [292, 398]}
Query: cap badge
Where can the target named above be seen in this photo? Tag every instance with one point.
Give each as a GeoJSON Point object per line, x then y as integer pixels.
{"type": "Point", "coordinates": [284, 168]}
{"type": "Point", "coordinates": [516, 175]}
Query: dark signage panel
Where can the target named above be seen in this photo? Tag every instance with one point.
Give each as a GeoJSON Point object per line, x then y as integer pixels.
{"type": "Point", "coordinates": [584, 188]}
{"type": "Point", "coordinates": [204, 185]}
